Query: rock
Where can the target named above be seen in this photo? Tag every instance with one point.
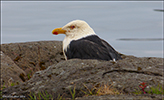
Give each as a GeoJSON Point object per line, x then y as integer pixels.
{"type": "Point", "coordinates": [10, 72]}
{"type": "Point", "coordinates": [120, 97]}
{"type": "Point", "coordinates": [88, 75]}
{"type": "Point", "coordinates": [34, 56]}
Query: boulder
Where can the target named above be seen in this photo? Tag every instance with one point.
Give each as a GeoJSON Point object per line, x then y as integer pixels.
{"type": "Point", "coordinates": [88, 76]}
{"type": "Point", "coordinates": [34, 56]}
{"type": "Point", "coordinates": [10, 72]}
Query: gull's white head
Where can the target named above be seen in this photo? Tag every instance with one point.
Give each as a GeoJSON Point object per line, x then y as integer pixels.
{"type": "Point", "coordinates": [75, 30]}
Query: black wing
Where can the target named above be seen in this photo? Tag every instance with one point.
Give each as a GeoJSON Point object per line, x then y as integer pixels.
{"type": "Point", "coordinates": [91, 47]}
{"type": "Point", "coordinates": [114, 54]}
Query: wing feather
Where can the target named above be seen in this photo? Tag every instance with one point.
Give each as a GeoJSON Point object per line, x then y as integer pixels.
{"type": "Point", "coordinates": [91, 47]}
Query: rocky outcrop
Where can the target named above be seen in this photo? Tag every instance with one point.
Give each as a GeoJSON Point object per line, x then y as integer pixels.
{"type": "Point", "coordinates": [86, 77]}
{"type": "Point", "coordinates": [83, 75]}
{"type": "Point", "coordinates": [34, 56]}
{"type": "Point", "coordinates": [10, 72]}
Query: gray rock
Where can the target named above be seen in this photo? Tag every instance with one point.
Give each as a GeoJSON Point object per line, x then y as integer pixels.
{"type": "Point", "coordinates": [10, 72]}
{"type": "Point", "coordinates": [34, 56]}
{"type": "Point", "coordinates": [120, 97]}
{"type": "Point", "coordinates": [124, 75]}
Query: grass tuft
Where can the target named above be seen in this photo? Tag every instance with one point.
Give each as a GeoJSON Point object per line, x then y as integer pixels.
{"type": "Point", "coordinates": [156, 90]}
{"type": "Point", "coordinates": [60, 97]}
{"type": "Point", "coordinates": [73, 93]}
{"type": "Point", "coordinates": [107, 89]}
{"type": "Point", "coordinates": [40, 96]}
{"type": "Point", "coordinates": [101, 90]}
{"type": "Point", "coordinates": [153, 90]}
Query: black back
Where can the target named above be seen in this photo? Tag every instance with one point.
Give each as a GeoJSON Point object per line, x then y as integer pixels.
{"type": "Point", "coordinates": [91, 47]}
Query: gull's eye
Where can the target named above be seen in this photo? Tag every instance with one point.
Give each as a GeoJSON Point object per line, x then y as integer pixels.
{"type": "Point", "coordinates": [72, 27]}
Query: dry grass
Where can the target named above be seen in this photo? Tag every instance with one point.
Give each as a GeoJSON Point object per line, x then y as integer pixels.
{"type": "Point", "coordinates": [101, 90]}
{"type": "Point", "coordinates": [107, 89]}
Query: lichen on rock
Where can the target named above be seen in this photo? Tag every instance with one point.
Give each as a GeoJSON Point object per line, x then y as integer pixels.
{"type": "Point", "coordinates": [125, 75]}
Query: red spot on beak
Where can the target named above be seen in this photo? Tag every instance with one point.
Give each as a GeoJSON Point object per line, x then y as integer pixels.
{"type": "Point", "coordinates": [56, 33]}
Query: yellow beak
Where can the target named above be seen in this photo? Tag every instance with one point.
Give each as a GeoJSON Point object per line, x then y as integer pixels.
{"type": "Point", "coordinates": [57, 31]}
